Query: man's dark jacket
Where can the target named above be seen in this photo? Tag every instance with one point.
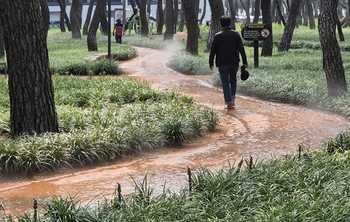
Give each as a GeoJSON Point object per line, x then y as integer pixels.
{"type": "Point", "coordinates": [226, 46]}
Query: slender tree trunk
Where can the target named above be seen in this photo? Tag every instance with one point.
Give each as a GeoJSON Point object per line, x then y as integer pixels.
{"type": "Point", "coordinates": [75, 18]}
{"type": "Point", "coordinates": [45, 14]}
{"type": "Point", "coordinates": [88, 17]}
{"type": "Point", "coordinates": [217, 10]}
{"type": "Point", "coordinates": [91, 38]}
{"type": "Point", "coordinates": [204, 11]}
{"type": "Point", "coordinates": [246, 8]}
{"type": "Point", "coordinates": [30, 84]}
{"type": "Point", "coordinates": [289, 29]}
{"type": "Point", "coordinates": [232, 6]}
{"type": "Point", "coordinates": [257, 11]}
{"type": "Point", "coordinates": [279, 11]}
{"type": "Point", "coordinates": [143, 17]}
{"type": "Point", "coordinates": [191, 15]}
{"type": "Point", "coordinates": [310, 14]}
{"type": "Point", "coordinates": [266, 13]}
{"type": "Point", "coordinates": [332, 59]}
{"type": "Point", "coordinates": [2, 43]}
{"type": "Point", "coordinates": [169, 20]}
{"type": "Point", "coordinates": [160, 17]}
{"type": "Point", "coordinates": [182, 20]}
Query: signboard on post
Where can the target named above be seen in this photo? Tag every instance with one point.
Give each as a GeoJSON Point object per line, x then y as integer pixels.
{"type": "Point", "coordinates": [256, 32]}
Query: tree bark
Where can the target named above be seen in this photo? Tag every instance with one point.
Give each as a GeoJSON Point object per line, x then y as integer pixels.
{"type": "Point", "coordinates": [257, 11]}
{"type": "Point", "coordinates": [45, 13]}
{"type": "Point", "coordinates": [203, 12]}
{"type": "Point", "coordinates": [160, 17]}
{"type": "Point", "coordinates": [143, 17]}
{"type": "Point", "coordinates": [332, 59]}
{"type": "Point", "coordinates": [75, 18]}
{"type": "Point", "coordinates": [289, 29]}
{"type": "Point", "coordinates": [191, 16]}
{"type": "Point", "coordinates": [2, 43]}
{"type": "Point", "coordinates": [88, 17]}
{"type": "Point", "coordinates": [217, 10]}
{"type": "Point", "coordinates": [169, 20]}
{"type": "Point", "coordinates": [310, 12]}
{"type": "Point", "coordinates": [246, 8]}
{"type": "Point", "coordinates": [30, 84]}
{"type": "Point", "coordinates": [266, 13]}
{"type": "Point", "coordinates": [91, 38]}
{"type": "Point", "coordinates": [232, 6]}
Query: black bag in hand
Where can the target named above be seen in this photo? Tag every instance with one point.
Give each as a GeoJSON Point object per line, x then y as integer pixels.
{"type": "Point", "coordinates": [244, 73]}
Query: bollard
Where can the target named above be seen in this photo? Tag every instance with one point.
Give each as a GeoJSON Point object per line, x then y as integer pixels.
{"type": "Point", "coordinates": [35, 206]}
{"type": "Point", "coordinates": [189, 179]}
{"type": "Point", "coordinates": [299, 152]}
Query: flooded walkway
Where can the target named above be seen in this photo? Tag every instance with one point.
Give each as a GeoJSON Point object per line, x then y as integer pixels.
{"type": "Point", "coordinates": [256, 128]}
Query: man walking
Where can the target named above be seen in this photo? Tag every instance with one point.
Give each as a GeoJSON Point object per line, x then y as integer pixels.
{"type": "Point", "coordinates": [226, 47]}
{"type": "Point", "coordinates": [118, 31]}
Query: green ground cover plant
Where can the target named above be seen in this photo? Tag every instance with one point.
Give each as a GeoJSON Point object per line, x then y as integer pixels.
{"type": "Point", "coordinates": [103, 119]}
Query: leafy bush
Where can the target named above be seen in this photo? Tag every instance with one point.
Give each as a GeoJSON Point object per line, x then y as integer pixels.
{"type": "Point", "coordinates": [190, 65]}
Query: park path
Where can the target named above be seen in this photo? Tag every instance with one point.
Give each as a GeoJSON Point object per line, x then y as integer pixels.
{"type": "Point", "coordinates": [256, 128]}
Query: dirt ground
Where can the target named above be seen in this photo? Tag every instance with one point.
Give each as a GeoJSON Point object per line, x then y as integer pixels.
{"type": "Point", "coordinates": [256, 128]}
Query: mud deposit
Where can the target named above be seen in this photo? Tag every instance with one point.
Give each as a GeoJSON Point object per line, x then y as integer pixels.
{"type": "Point", "coordinates": [256, 128]}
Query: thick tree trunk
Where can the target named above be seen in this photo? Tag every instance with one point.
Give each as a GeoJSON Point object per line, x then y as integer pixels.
{"type": "Point", "coordinates": [169, 20]}
{"type": "Point", "coordinates": [289, 29]}
{"type": "Point", "coordinates": [91, 38]}
{"type": "Point", "coordinates": [266, 13]}
{"type": "Point", "coordinates": [30, 84]}
{"type": "Point", "coordinates": [143, 17]}
{"type": "Point", "coordinates": [88, 17]}
{"type": "Point", "coordinates": [217, 10]}
{"type": "Point", "coordinates": [160, 17]}
{"type": "Point", "coordinates": [332, 59]}
{"type": "Point", "coordinates": [75, 18]}
{"type": "Point", "coordinates": [191, 15]}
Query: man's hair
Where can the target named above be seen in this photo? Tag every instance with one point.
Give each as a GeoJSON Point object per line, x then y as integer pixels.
{"type": "Point", "coordinates": [225, 21]}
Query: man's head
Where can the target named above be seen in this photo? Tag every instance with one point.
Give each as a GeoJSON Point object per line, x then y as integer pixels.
{"type": "Point", "coordinates": [225, 21]}
{"type": "Point", "coordinates": [118, 20]}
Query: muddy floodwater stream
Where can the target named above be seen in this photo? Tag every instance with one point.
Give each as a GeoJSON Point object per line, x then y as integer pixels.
{"type": "Point", "coordinates": [256, 128]}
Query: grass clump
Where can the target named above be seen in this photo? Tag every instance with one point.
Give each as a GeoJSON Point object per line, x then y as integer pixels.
{"type": "Point", "coordinates": [103, 119]}
{"type": "Point", "coordinates": [312, 187]}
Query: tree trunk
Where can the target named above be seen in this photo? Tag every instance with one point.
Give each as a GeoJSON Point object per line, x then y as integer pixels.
{"type": "Point", "coordinates": [62, 4]}
{"type": "Point", "coordinates": [104, 26]}
{"type": "Point", "coordinates": [310, 12]}
{"type": "Point", "coordinates": [203, 12]}
{"type": "Point", "coordinates": [246, 8]}
{"type": "Point", "coordinates": [232, 6]}
{"type": "Point", "coordinates": [266, 13]}
{"type": "Point", "coordinates": [160, 17]}
{"type": "Point", "coordinates": [332, 60]}
{"type": "Point", "coordinates": [217, 10]}
{"type": "Point", "coordinates": [88, 17]}
{"type": "Point", "coordinates": [257, 11]}
{"type": "Point", "coordinates": [169, 20]}
{"type": "Point", "coordinates": [347, 17]}
{"type": "Point", "coordinates": [289, 29]}
{"type": "Point", "coordinates": [91, 38]}
{"type": "Point", "coordinates": [45, 14]}
{"type": "Point", "coordinates": [2, 43]}
{"type": "Point", "coordinates": [279, 11]}
{"type": "Point", "coordinates": [143, 17]}
{"type": "Point", "coordinates": [182, 20]}
{"type": "Point", "coordinates": [30, 84]}
{"type": "Point", "coordinates": [191, 16]}
{"type": "Point", "coordinates": [75, 18]}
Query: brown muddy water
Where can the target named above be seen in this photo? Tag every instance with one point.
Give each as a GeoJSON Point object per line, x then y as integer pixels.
{"type": "Point", "coordinates": [256, 128]}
